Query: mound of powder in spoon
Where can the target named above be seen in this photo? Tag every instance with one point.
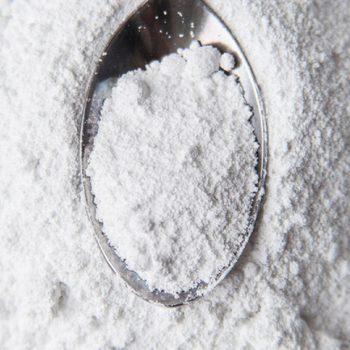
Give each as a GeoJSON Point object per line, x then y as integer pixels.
{"type": "Point", "coordinates": [173, 169]}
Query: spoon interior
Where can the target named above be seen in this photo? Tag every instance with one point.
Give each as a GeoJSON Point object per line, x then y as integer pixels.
{"type": "Point", "coordinates": [156, 29]}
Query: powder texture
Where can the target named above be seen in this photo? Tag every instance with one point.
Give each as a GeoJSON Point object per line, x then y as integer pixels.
{"type": "Point", "coordinates": [173, 169]}
{"type": "Point", "coordinates": [290, 290]}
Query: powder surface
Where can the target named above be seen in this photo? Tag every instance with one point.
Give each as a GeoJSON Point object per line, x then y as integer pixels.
{"type": "Point", "coordinates": [290, 289]}
{"type": "Point", "coordinates": [173, 169]}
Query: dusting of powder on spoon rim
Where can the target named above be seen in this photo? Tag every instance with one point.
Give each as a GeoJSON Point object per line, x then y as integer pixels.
{"type": "Point", "coordinates": [173, 168]}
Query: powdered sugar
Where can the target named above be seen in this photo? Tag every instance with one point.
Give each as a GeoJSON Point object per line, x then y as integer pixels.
{"type": "Point", "coordinates": [289, 290]}
{"type": "Point", "coordinates": [227, 62]}
{"type": "Point", "coordinates": [173, 169]}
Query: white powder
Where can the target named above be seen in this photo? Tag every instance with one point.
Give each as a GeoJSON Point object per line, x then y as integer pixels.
{"type": "Point", "coordinates": [290, 290]}
{"type": "Point", "coordinates": [173, 169]}
{"type": "Point", "coordinates": [227, 62]}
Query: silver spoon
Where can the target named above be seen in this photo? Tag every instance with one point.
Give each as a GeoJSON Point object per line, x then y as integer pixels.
{"type": "Point", "coordinates": [156, 29]}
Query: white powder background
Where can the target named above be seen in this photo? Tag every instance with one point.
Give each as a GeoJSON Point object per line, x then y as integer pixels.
{"type": "Point", "coordinates": [291, 287]}
{"type": "Point", "coordinates": [173, 169]}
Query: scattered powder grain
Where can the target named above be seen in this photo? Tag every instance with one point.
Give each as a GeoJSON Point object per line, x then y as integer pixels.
{"type": "Point", "coordinates": [173, 169]}
{"type": "Point", "coordinates": [290, 290]}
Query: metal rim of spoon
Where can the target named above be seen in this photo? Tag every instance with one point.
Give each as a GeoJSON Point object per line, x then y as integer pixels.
{"type": "Point", "coordinates": [156, 29]}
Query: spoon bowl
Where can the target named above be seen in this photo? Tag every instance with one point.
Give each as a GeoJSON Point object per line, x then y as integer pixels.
{"type": "Point", "coordinates": [154, 30]}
